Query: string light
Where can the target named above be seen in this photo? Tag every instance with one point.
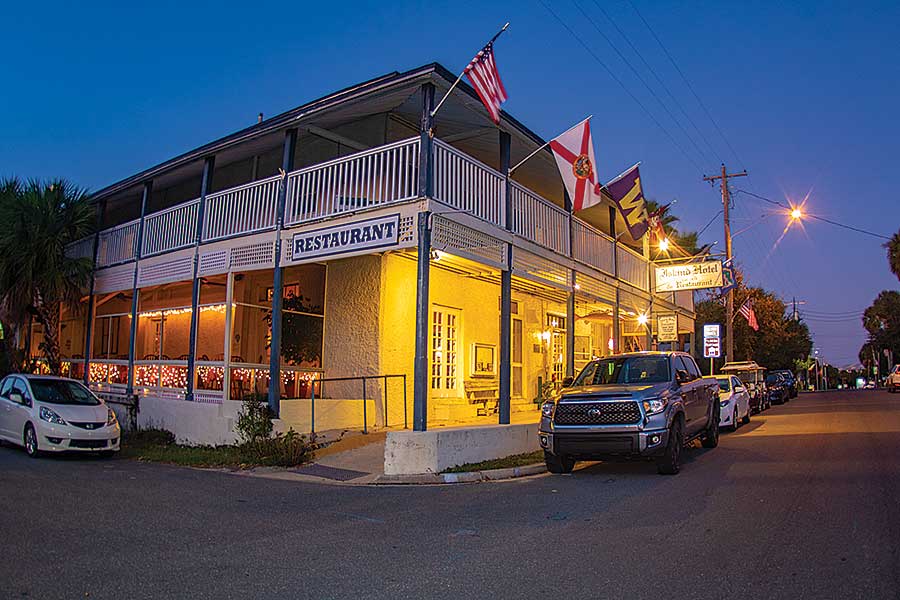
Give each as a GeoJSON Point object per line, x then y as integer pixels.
{"type": "Point", "coordinates": [220, 308]}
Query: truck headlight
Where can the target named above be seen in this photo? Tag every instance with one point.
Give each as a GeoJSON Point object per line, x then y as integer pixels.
{"type": "Point", "coordinates": [50, 416]}
{"type": "Point", "coordinates": [653, 406]}
{"type": "Point", "coordinates": [547, 409]}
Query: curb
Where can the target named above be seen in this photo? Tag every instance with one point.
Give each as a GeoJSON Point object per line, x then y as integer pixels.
{"type": "Point", "coordinates": [471, 477]}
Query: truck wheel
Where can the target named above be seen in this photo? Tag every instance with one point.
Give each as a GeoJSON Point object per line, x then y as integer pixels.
{"type": "Point", "coordinates": [710, 438]}
{"type": "Point", "coordinates": [558, 464]}
{"type": "Point", "coordinates": [670, 462]}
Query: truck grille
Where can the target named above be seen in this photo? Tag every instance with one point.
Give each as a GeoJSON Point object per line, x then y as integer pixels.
{"type": "Point", "coordinates": [597, 413]}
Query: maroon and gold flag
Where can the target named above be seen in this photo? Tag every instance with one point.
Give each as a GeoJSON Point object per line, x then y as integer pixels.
{"type": "Point", "coordinates": [626, 192]}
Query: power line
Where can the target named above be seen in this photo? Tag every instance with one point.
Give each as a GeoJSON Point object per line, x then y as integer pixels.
{"type": "Point", "coordinates": [813, 216]}
{"type": "Point", "coordinates": [627, 39]}
{"type": "Point", "coordinates": [705, 227]}
{"type": "Point", "coordinates": [702, 155]}
{"type": "Point", "coordinates": [622, 85]}
{"type": "Point", "coordinates": [687, 83]}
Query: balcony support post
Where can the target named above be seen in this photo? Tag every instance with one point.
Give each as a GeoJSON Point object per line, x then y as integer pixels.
{"type": "Point", "coordinates": [570, 328]}
{"type": "Point", "coordinates": [425, 190]}
{"type": "Point", "coordinates": [287, 163]}
{"type": "Point", "coordinates": [206, 183]}
{"type": "Point", "coordinates": [138, 248]}
{"type": "Point", "coordinates": [89, 317]}
{"type": "Point", "coordinates": [617, 329]}
{"type": "Point", "coordinates": [506, 291]}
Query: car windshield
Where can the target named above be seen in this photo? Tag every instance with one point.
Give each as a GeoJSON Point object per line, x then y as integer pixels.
{"type": "Point", "coordinates": [774, 379]}
{"type": "Point", "coordinates": [59, 391]}
{"type": "Point", "coordinates": [626, 369]}
{"type": "Point", "coordinates": [724, 384]}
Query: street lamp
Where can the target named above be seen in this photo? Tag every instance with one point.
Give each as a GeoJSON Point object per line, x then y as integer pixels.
{"type": "Point", "coordinates": [796, 214]}
{"type": "Point", "coordinates": [664, 245]}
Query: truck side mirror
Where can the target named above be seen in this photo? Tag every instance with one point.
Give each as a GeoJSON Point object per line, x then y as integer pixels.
{"type": "Point", "coordinates": [682, 376]}
{"type": "Point", "coordinates": [568, 381]}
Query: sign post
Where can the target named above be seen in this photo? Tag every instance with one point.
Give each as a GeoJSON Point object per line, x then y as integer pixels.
{"type": "Point", "coordinates": [712, 344]}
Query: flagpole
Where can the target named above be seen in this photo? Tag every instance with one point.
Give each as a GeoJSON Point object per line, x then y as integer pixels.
{"type": "Point", "coordinates": [544, 145]}
{"type": "Point", "coordinates": [458, 79]}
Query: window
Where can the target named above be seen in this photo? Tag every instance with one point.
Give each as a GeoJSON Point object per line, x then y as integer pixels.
{"type": "Point", "coordinates": [6, 387]}
{"type": "Point", "coordinates": [629, 369]}
{"type": "Point", "coordinates": [557, 326]}
{"type": "Point", "coordinates": [444, 354]}
{"type": "Point", "coordinates": [19, 387]}
{"type": "Point", "coordinates": [735, 381]}
{"type": "Point", "coordinates": [516, 356]}
{"type": "Point", "coordinates": [724, 383]}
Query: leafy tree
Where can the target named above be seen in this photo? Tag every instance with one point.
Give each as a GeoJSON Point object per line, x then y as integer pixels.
{"type": "Point", "coordinates": [882, 322]}
{"type": "Point", "coordinates": [893, 253]}
{"type": "Point", "coordinates": [36, 276]}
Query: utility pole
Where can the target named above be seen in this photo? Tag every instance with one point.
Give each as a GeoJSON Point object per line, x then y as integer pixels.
{"type": "Point", "coordinates": [794, 314]}
{"type": "Point", "coordinates": [729, 299]}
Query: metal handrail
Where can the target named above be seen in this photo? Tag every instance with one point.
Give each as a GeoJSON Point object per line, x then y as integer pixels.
{"type": "Point", "coordinates": [363, 379]}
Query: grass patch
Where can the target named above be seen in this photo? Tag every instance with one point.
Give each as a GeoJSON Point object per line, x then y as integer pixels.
{"type": "Point", "coordinates": [516, 460]}
{"type": "Point", "coordinates": [156, 445]}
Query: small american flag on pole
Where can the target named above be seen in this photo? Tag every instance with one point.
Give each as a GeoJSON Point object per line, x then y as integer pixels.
{"type": "Point", "coordinates": [484, 77]}
{"type": "Point", "coordinates": [747, 311]}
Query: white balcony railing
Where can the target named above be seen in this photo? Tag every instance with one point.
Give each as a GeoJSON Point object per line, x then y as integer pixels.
{"type": "Point", "coordinates": [83, 248]}
{"type": "Point", "coordinates": [117, 244]}
{"type": "Point", "coordinates": [360, 181]}
{"type": "Point", "coordinates": [538, 220]}
{"type": "Point", "coordinates": [170, 229]}
{"type": "Point", "coordinates": [633, 268]}
{"type": "Point", "coordinates": [467, 184]}
{"type": "Point", "coordinates": [593, 247]}
{"type": "Point", "coordinates": [245, 209]}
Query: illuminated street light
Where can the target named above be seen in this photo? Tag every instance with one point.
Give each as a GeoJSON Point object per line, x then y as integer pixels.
{"type": "Point", "coordinates": [796, 214]}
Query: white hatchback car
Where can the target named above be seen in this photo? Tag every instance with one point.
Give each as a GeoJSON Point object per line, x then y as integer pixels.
{"type": "Point", "coordinates": [53, 414]}
{"type": "Point", "coordinates": [734, 400]}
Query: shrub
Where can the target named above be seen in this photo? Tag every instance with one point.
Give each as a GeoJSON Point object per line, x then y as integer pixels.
{"type": "Point", "coordinates": [150, 437]}
{"type": "Point", "coordinates": [283, 450]}
{"type": "Point", "coordinates": [254, 422]}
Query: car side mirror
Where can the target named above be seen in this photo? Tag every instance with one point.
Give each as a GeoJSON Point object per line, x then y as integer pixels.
{"type": "Point", "coordinates": [740, 389]}
{"type": "Point", "coordinates": [17, 398]}
{"type": "Point", "coordinates": [568, 381]}
{"type": "Point", "coordinates": [682, 376]}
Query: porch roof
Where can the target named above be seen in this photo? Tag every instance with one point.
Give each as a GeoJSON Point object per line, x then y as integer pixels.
{"type": "Point", "coordinates": [380, 94]}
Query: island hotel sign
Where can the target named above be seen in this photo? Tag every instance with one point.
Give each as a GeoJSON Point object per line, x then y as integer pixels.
{"type": "Point", "coordinates": [351, 237]}
{"type": "Point", "coordinates": [694, 276]}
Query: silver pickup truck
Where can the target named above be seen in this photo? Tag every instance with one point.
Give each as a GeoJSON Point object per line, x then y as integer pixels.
{"type": "Point", "coordinates": [644, 404]}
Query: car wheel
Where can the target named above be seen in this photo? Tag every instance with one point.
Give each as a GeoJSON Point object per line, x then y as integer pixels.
{"type": "Point", "coordinates": [734, 419]}
{"type": "Point", "coordinates": [670, 462]}
{"type": "Point", "coordinates": [31, 443]}
{"type": "Point", "coordinates": [746, 418]}
{"type": "Point", "coordinates": [710, 438]}
{"type": "Point", "coordinates": [558, 464]}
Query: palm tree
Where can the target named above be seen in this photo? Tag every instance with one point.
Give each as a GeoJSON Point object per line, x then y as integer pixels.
{"type": "Point", "coordinates": [36, 276]}
{"type": "Point", "coordinates": [893, 252]}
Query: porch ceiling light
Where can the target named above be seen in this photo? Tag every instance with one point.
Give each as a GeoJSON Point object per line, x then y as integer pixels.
{"type": "Point", "coordinates": [664, 245]}
{"type": "Point", "coordinates": [642, 319]}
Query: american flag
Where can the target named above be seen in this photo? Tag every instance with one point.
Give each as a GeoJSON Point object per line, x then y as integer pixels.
{"type": "Point", "coordinates": [747, 311]}
{"type": "Point", "coordinates": [485, 78]}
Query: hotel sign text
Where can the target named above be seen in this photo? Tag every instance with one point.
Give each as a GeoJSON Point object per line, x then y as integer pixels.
{"type": "Point", "coordinates": [695, 276]}
{"type": "Point", "coordinates": [352, 237]}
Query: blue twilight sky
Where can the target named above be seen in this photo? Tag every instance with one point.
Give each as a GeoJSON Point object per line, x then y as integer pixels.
{"type": "Point", "coordinates": [806, 93]}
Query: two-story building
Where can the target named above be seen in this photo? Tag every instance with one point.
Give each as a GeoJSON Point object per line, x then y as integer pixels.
{"type": "Point", "coordinates": [357, 236]}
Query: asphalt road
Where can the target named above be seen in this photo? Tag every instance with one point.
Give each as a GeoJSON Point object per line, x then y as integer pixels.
{"type": "Point", "coordinates": [802, 503]}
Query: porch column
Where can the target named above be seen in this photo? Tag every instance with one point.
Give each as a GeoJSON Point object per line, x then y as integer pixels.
{"type": "Point", "coordinates": [506, 290]}
{"type": "Point", "coordinates": [206, 183]}
{"type": "Point", "coordinates": [570, 329]}
{"type": "Point", "coordinates": [138, 247]}
{"type": "Point", "coordinates": [88, 341]}
{"type": "Point", "coordinates": [425, 190]}
{"type": "Point", "coordinates": [287, 163]}
{"type": "Point", "coordinates": [617, 330]}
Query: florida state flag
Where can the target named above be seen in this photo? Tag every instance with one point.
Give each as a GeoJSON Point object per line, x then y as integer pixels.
{"type": "Point", "coordinates": [574, 153]}
{"type": "Point", "coordinates": [625, 190]}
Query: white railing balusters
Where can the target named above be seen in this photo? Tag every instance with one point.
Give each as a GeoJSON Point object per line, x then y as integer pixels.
{"type": "Point", "coordinates": [592, 247]}
{"type": "Point", "coordinates": [170, 229]}
{"type": "Point", "coordinates": [538, 220]}
{"type": "Point", "coordinates": [633, 268]}
{"type": "Point", "coordinates": [467, 184]}
{"type": "Point", "coordinates": [248, 208]}
{"type": "Point", "coordinates": [117, 244]}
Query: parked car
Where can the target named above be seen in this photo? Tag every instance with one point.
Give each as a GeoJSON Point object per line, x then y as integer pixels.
{"type": "Point", "coordinates": [753, 377]}
{"type": "Point", "coordinates": [734, 401]}
{"type": "Point", "coordinates": [778, 389]}
{"type": "Point", "coordinates": [644, 404]}
{"type": "Point", "coordinates": [893, 380]}
{"type": "Point", "coordinates": [53, 414]}
{"type": "Point", "coordinates": [789, 380]}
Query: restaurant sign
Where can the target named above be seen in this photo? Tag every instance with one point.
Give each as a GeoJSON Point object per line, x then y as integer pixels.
{"type": "Point", "coordinates": [667, 328]}
{"type": "Point", "coordinates": [351, 237]}
{"type": "Point", "coordinates": [695, 276]}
